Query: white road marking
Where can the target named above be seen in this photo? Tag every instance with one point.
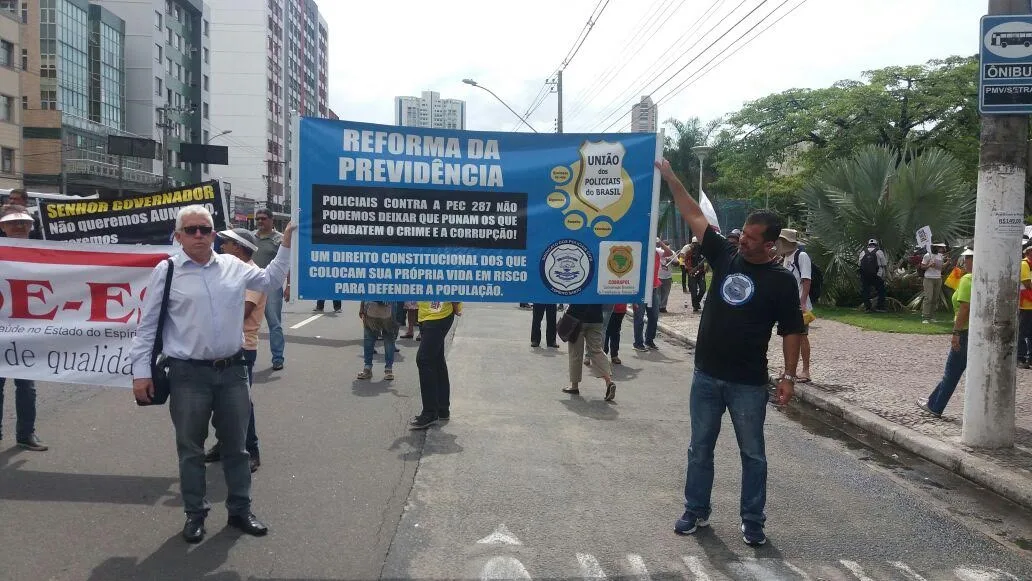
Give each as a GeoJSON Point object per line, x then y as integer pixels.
{"type": "Point", "coordinates": [906, 569]}
{"type": "Point", "coordinates": [501, 536]}
{"type": "Point", "coordinates": [802, 574]}
{"type": "Point", "coordinates": [856, 569]}
{"type": "Point", "coordinates": [503, 568]}
{"type": "Point", "coordinates": [753, 568]}
{"type": "Point", "coordinates": [967, 574]}
{"type": "Point", "coordinates": [590, 567]}
{"type": "Point", "coordinates": [638, 569]}
{"type": "Point", "coordinates": [694, 565]}
{"type": "Point", "coordinates": [306, 321]}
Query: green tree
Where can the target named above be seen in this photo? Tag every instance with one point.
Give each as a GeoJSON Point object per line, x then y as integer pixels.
{"type": "Point", "coordinates": [677, 149]}
{"type": "Point", "coordinates": [774, 144]}
{"type": "Point", "coordinates": [876, 193]}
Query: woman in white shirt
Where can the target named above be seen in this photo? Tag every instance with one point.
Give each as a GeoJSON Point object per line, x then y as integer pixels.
{"type": "Point", "coordinates": [932, 264]}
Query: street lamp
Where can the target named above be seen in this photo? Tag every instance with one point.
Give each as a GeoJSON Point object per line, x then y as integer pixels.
{"type": "Point", "coordinates": [701, 152]}
{"type": "Point", "coordinates": [522, 120]}
{"type": "Point", "coordinates": [226, 132]}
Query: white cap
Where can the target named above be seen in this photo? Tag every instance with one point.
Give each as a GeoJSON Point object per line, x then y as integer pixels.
{"type": "Point", "coordinates": [16, 217]}
{"type": "Point", "coordinates": [968, 252]}
{"type": "Point", "coordinates": [241, 237]}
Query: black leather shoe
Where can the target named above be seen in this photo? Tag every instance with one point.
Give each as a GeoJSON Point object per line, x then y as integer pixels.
{"type": "Point", "coordinates": [249, 524]}
{"type": "Point", "coordinates": [193, 530]}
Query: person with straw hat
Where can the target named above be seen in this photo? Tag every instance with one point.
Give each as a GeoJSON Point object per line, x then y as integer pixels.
{"type": "Point", "coordinates": [798, 262]}
{"type": "Point", "coordinates": [17, 223]}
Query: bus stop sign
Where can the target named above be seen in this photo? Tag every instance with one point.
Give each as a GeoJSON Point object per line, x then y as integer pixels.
{"type": "Point", "coordinates": [1005, 77]}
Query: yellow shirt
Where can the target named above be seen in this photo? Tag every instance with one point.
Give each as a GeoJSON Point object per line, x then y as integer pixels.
{"type": "Point", "coordinates": [436, 311]}
{"type": "Point", "coordinates": [1026, 274]}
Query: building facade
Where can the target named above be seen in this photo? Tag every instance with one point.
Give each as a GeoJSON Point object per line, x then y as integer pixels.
{"type": "Point", "coordinates": [168, 79]}
{"type": "Point", "coordinates": [430, 110]}
{"type": "Point", "coordinates": [644, 116]}
{"type": "Point", "coordinates": [73, 81]}
{"type": "Point", "coordinates": [269, 57]}
{"type": "Point", "coordinates": [10, 100]}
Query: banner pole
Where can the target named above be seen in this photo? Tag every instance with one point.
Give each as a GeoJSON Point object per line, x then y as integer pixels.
{"type": "Point", "coordinates": [295, 209]}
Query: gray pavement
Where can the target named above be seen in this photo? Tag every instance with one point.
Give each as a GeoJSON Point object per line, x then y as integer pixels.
{"type": "Point", "coordinates": [523, 482]}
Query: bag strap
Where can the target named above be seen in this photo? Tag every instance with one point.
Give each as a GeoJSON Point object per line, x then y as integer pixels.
{"type": "Point", "coordinates": [159, 344]}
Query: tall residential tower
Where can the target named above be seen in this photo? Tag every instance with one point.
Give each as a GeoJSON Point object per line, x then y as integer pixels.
{"type": "Point", "coordinates": [268, 57]}
{"type": "Point", "coordinates": [430, 110]}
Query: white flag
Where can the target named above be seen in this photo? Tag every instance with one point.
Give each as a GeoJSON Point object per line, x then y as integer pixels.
{"type": "Point", "coordinates": [708, 210]}
{"type": "Point", "coordinates": [924, 238]}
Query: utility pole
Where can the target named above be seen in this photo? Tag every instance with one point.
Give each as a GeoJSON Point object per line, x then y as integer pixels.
{"type": "Point", "coordinates": [993, 329]}
{"type": "Point", "coordinates": [559, 93]}
{"type": "Point", "coordinates": [165, 124]}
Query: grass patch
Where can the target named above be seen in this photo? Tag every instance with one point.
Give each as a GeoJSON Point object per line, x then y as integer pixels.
{"type": "Point", "coordinates": [901, 322]}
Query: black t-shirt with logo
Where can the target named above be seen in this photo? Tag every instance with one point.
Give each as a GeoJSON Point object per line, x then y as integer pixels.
{"type": "Point", "coordinates": [745, 301]}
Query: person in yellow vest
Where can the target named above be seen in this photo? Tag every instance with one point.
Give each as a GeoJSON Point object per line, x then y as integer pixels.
{"type": "Point", "coordinates": [1025, 320]}
{"type": "Point", "coordinates": [956, 359]}
{"type": "Point", "coordinates": [435, 320]}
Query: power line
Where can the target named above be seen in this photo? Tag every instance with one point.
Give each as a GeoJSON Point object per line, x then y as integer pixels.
{"type": "Point", "coordinates": [685, 84]}
{"type": "Point", "coordinates": [661, 63]}
{"type": "Point", "coordinates": [703, 71]}
{"type": "Point", "coordinates": [582, 36]}
{"type": "Point", "coordinates": [660, 16]}
{"type": "Point", "coordinates": [695, 58]}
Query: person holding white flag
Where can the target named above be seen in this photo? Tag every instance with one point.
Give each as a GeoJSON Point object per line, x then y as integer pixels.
{"type": "Point", "coordinates": [932, 264]}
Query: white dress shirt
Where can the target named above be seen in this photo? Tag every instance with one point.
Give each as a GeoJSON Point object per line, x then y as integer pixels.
{"type": "Point", "coordinates": [205, 308]}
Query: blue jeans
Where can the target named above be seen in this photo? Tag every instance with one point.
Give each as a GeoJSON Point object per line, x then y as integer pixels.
{"type": "Point", "coordinates": [434, 382]}
{"type": "Point", "coordinates": [196, 394]}
{"type": "Point", "coordinates": [639, 321]}
{"type": "Point", "coordinates": [956, 363]}
{"type": "Point", "coordinates": [24, 407]}
{"type": "Point", "coordinates": [376, 329]}
{"type": "Point", "coordinates": [274, 318]}
{"type": "Point", "coordinates": [747, 405]}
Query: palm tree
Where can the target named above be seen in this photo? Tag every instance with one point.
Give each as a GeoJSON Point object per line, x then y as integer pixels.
{"type": "Point", "coordinates": [678, 150]}
{"type": "Point", "coordinates": [877, 193]}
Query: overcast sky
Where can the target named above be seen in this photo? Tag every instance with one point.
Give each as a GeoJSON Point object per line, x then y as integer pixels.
{"type": "Point", "coordinates": [379, 50]}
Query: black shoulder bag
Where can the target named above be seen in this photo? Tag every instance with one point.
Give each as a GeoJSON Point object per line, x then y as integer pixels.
{"type": "Point", "coordinates": [159, 363]}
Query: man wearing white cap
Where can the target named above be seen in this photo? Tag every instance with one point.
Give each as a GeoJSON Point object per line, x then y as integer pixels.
{"type": "Point", "coordinates": [872, 262]}
{"type": "Point", "coordinates": [239, 242]}
{"type": "Point", "coordinates": [17, 223]}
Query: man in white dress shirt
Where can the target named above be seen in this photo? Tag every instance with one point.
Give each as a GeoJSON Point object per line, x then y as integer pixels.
{"type": "Point", "coordinates": [203, 339]}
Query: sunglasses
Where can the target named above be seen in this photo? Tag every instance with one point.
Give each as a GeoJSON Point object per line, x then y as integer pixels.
{"type": "Point", "coordinates": [193, 230]}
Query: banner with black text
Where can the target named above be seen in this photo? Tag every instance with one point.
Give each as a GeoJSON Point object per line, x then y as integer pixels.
{"type": "Point", "coordinates": [408, 213]}
{"type": "Point", "coordinates": [144, 219]}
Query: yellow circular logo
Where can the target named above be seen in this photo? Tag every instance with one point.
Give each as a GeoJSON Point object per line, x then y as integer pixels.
{"type": "Point", "coordinates": [602, 229]}
{"type": "Point", "coordinates": [557, 200]}
{"type": "Point", "coordinates": [574, 221]}
{"type": "Point", "coordinates": [561, 174]}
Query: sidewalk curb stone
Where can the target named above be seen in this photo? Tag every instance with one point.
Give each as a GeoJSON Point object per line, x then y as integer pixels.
{"type": "Point", "coordinates": [1015, 485]}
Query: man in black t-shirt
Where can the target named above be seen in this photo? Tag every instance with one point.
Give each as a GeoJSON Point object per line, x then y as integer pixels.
{"type": "Point", "coordinates": [748, 296]}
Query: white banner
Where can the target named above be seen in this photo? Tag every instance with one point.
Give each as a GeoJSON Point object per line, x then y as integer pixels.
{"type": "Point", "coordinates": [69, 311]}
{"type": "Point", "coordinates": [924, 238]}
{"type": "Point", "coordinates": [708, 210]}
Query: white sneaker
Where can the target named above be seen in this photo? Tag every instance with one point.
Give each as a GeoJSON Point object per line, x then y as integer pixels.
{"type": "Point", "coordinates": [925, 321]}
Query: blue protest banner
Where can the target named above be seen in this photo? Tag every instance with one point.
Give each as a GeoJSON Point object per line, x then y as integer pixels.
{"type": "Point", "coordinates": [404, 213]}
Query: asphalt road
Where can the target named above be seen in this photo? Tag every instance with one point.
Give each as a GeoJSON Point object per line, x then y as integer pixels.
{"type": "Point", "coordinates": [523, 482]}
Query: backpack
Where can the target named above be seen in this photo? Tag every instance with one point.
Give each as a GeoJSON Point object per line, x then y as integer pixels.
{"type": "Point", "coordinates": [816, 277]}
{"type": "Point", "coordinates": [869, 263]}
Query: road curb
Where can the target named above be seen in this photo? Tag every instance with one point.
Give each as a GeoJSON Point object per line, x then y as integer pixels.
{"type": "Point", "coordinates": [1012, 484]}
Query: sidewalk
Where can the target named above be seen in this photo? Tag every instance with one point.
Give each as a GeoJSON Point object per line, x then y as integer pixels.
{"type": "Point", "coordinates": [873, 380]}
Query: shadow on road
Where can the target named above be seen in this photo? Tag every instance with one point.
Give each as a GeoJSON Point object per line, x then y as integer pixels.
{"type": "Point", "coordinates": [595, 409]}
{"type": "Point", "coordinates": [175, 560]}
{"type": "Point", "coordinates": [34, 485]}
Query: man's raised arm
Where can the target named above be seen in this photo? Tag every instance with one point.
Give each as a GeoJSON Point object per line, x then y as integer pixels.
{"type": "Point", "coordinates": [686, 205]}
